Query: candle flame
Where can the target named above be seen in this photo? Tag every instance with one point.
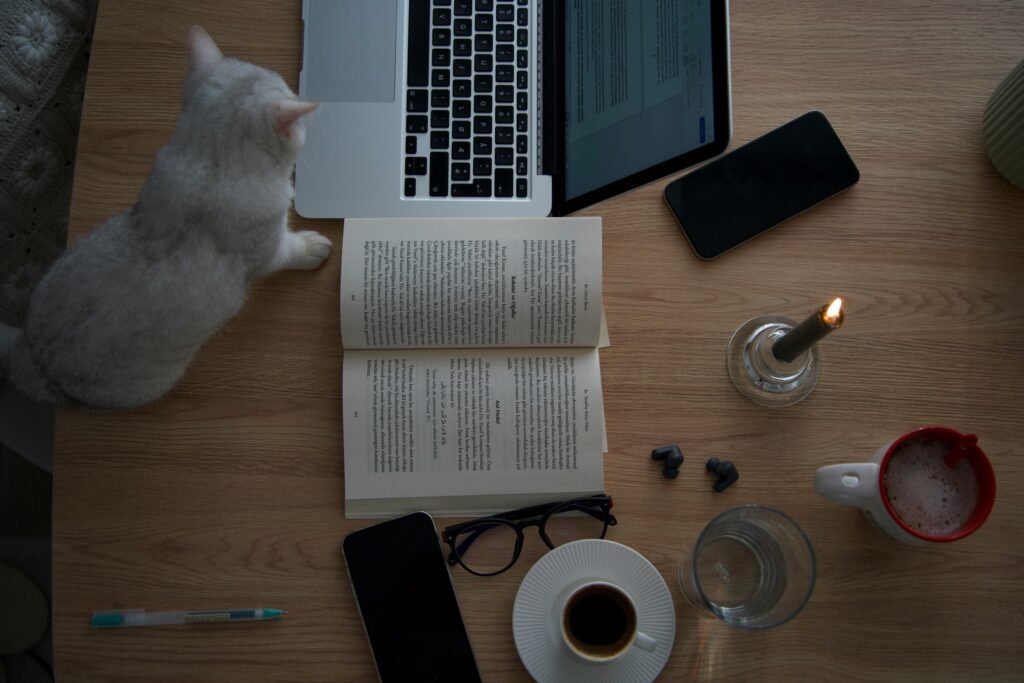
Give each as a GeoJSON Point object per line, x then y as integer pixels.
{"type": "Point", "coordinates": [834, 310]}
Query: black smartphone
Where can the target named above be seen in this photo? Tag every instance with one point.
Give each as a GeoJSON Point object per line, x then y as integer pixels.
{"type": "Point", "coordinates": [761, 184]}
{"type": "Point", "coordinates": [407, 602]}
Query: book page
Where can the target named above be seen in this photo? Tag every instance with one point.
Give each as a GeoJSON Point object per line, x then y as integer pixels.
{"type": "Point", "coordinates": [462, 283]}
{"type": "Point", "coordinates": [435, 425]}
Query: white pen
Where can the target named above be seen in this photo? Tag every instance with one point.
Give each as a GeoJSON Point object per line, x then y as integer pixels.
{"type": "Point", "coordinates": [140, 617]}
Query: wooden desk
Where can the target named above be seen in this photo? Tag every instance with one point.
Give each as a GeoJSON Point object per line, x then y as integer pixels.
{"type": "Point", "coordinates": [229, 491]}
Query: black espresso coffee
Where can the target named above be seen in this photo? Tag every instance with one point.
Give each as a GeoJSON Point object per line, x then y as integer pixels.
{"type": "Point", "coordinates": [600, 621]}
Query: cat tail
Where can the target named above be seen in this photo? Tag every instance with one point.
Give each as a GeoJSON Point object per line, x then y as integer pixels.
{"type": "Point", "coordinates": [17, 366]}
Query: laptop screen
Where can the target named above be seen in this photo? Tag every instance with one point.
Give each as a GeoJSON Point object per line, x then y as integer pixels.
{"type": "Point", "coordinates": [640, 92]}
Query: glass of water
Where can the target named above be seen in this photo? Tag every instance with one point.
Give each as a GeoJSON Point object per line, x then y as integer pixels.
{"type": "Point", "coordinates": [752, 567]}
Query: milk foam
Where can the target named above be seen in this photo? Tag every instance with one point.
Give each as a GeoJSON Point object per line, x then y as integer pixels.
{"type": "Point", "coordinates": [928, 496]}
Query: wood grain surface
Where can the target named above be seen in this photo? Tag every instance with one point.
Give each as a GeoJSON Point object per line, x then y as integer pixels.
{"type": "Point", "coordinates": [228, 492]}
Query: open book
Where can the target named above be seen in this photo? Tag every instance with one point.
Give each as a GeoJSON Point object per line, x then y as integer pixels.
{"type": "Point", "coordinates": [471, 382]}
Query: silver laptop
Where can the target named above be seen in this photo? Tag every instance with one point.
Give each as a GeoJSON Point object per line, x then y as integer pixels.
{"type": "Point", "coordinates": [505, 108]}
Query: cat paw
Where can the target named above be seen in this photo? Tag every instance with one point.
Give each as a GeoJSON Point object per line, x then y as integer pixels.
{"type": "Point", "coordinates": [311, 250]}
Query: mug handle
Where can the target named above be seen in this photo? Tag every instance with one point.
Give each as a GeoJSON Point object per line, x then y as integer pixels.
{"type": "Point", "coordinates": [645, 642]}
{"type": "Point", "coordinates": [854, 484]}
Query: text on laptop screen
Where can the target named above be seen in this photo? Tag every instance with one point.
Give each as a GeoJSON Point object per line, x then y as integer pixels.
{"type": "Point", "coordinates": [638, 80]}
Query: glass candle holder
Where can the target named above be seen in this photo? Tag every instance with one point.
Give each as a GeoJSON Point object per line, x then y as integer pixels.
{"type": "Point", "coordinates": [759, 375]}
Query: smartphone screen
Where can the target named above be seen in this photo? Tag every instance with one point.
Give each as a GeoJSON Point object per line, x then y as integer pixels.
{"type": "Point", "coordinates": [407, 602]}
{"type": "Point", "coordinates": [761, 184]}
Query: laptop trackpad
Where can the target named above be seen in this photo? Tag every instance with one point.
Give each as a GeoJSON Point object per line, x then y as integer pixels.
{"type": "Point", "coordinates": [350, 50]}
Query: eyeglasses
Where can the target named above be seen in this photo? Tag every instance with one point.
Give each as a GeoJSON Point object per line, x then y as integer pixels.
{"type": "Point", "coordinates": [490, 545]}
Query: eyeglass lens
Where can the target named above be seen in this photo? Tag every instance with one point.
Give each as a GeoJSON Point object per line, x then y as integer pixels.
{"type": "Point", "coordinates": [487, 547]}
{"type": "Point", "coordinates": [573, 522]}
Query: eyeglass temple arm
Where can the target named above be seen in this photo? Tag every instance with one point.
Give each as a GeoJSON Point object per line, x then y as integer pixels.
{"type": "Point", "coordinates": [595, 509]}
{"type": "Point", "coordinates": [453, 557]}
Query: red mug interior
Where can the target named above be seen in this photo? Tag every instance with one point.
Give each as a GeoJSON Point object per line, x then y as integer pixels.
{"type": "Point", "coordinates": [983, 471]}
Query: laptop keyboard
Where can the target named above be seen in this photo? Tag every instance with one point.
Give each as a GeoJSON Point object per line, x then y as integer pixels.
{"type": "Point", "coordinates": [467, 121]}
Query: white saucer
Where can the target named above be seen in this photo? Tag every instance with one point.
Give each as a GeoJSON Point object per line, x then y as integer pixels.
{"type": "Point", "coordinates": [535, 624]}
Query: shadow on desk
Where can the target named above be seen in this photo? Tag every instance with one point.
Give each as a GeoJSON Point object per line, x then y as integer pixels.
{"type": "Point", "coordinates": [25, 548]}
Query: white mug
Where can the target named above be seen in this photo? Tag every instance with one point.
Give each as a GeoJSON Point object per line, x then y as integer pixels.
{"type": "Point", "coordinates": [863, 485]}
{"type": "Point", "coordinates": [599, 623]}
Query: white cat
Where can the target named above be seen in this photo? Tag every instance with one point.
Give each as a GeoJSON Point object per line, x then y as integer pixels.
{"type": "Point", "coordinates": [117, 319]}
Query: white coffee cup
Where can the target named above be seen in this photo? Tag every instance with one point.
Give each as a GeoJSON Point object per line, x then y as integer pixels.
{"type": "Point", "coordinates": [863, 485]}
{"type": "Point", "coordinates": [599, 623]}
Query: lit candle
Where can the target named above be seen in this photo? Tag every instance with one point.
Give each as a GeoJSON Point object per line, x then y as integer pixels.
{"type": "Point", "coordinates": [809, 332]}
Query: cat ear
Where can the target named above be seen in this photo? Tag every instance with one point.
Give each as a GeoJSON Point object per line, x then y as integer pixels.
{"type": "Point", "coordinates": [288, 112]}
{"type": "Point", "coordinates": [201, 49]}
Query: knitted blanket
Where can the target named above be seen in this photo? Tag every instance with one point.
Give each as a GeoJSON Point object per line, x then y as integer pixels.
{"type": "Point", "coordinates": [43, 58]}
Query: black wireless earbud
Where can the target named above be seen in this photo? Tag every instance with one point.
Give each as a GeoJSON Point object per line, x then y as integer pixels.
{"type": "Point", "coordinates": [725, 471]}
{"type": "Point", "coordinates": [673, 457]}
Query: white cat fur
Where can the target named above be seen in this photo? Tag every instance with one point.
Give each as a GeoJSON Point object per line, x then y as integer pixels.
{"type": "Point", "coordinates": [117, 319]}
